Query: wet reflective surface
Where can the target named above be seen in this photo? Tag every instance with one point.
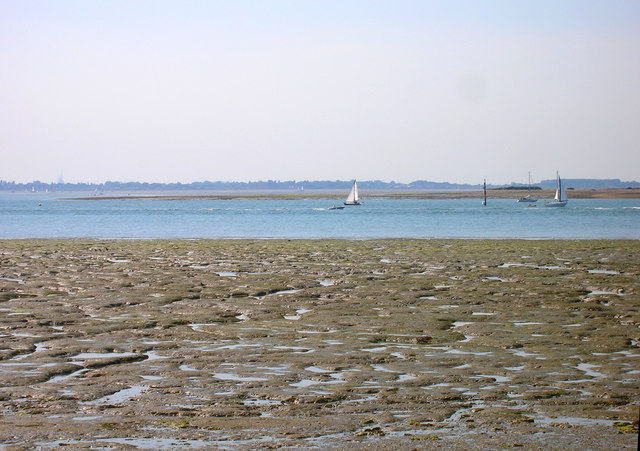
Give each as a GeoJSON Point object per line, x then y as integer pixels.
{"type": "Point", "coordinates": [412, 343]}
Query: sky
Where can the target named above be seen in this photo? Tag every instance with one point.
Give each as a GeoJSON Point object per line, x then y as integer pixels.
{"type": "Point", "coordinates": [243, 90]}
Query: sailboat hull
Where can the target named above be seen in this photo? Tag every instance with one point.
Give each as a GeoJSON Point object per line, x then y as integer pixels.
{"type": "Point", "coordinates": [556, 204]}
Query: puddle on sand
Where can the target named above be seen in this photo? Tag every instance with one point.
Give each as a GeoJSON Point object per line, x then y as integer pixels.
{"type": "Point", "coordinates": [307, 331]}
{"type": "Point", "coordinates": [383, 369]}
{"type": "Point", "coordinates": [153, 356]}
{"type": "Point", "coordinates": [521, 353]}
{"type": "Point", "coordinates": [304, 383]}
{"type": "Point", "coordinates": [119, 396]}
{"type": "Point", "coordinates": [88, 418]}
{"type": "Point", "coordinates": [39, 347]}
{"type": "Point", "coordinates": [498, 279]}
{"type": "Point", "coordinates": [405, 377]}
{"type": "Point", "coordinates": [461, 352]}
{"type": "Point", "coordinates": [315, 369]}
{"type": "Point", "coordinates": [198, 327]}
{"type": "Point", "coordinates": [151, 378]}
{"type": "Point", "coordinates": [602, 271]}
{"type": "Point", "coordinates": [326, 283]}
{"type": "Point", "coordinates": [278, 293]}
{"type": "Point", "coordinates": [461, 324]}
{"type": "Point", "coordinates": [509, 265]}
{"type": "Point", "coordinates": [587, 368]}
{"type": "Point", "coordinates": [261, 402]}
{"type": "Point", "coordinates": [102, 355]}
{"type": "Point", "coordinates": [573, 421]}
{"type": "Point", "coordinates": [295, 349]}
{"type": "Point", "coordinates": [495, 377]}
{"type": "Point", "coordinates": [298, 314]}
{"type": "Point", "coordinates": [236, 378]}
{"type": "Point", "coordinates": [67, 376]}
{"type": "Point", "coordinates": [8, 279]}
{"type": "Point", "coordinates": [378, 349]}
{"type": "Point", "coordinates": [440, 385]}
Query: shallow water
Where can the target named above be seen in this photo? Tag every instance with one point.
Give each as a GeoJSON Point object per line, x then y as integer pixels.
{"type": "Point", "coordinates": [21, 216]}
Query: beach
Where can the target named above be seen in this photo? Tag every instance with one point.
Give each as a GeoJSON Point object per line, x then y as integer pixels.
{"type": "Point", "coordinates": [326, 344]}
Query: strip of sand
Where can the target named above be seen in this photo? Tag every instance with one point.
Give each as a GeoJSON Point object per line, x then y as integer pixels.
{"type": "Point", "coordinates": [377, 194]}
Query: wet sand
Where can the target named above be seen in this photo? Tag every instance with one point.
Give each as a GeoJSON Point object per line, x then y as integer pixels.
{"type": "Point", "coordinates": [327, 344]}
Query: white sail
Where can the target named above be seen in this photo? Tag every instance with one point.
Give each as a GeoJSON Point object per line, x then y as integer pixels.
{"type": "Point", "coordinates": [353, 198]}
{"type": "Point", "coordinates": [561, 194]}
{"type": "Point", "coordinates": [560, 199]}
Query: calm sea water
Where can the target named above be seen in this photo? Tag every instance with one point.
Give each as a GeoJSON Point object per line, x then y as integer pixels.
{"type": "Point", "coordinates": [22, 216]}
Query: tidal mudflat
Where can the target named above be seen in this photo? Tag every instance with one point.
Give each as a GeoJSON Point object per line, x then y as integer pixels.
{"type": "Point", "coordinates": [398, 344]}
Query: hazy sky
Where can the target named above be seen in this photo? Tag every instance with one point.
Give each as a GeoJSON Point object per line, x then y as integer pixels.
{"type": "Point", "coordinates": [166, 91]}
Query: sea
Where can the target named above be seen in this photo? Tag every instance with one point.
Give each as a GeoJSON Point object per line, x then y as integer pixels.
{"type": "Point", "coordinates": [62, 215]}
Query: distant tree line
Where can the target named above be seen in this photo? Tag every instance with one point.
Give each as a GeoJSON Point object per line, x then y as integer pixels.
{"type": "Point", "coordinates": [227, 186]}
{"type": "Point", "coordinates": [298, 185]}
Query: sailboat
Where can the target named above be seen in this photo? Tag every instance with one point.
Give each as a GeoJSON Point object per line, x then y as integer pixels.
{"type": "Point", "coordinates": [528, 197]}
{"type": "Point", "coordinates": [353, 198]}
{"type": "Point", "coordinates": [484, 192]}
{"type": "Point", "coordinates": [561, 196]}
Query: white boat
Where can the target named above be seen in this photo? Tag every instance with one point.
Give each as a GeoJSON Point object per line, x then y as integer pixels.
{"type": "Point", "coordinates": [484, 192]}
{"type": "Point", "coordinates": [353, 198]}
{"type": "Point", "coordinates": [561, 195]}
{"type": "Point", "coordinates": [528, 197]}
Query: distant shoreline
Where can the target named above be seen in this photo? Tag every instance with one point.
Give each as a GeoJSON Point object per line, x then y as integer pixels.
{"type": "Point", "coordinates": [613, 193]}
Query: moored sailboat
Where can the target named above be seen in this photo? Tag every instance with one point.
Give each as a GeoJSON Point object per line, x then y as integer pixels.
{"type": "Point", "coordinates": [560, 200]}
{"type": "Point", "coordinates": [353, 198]}
{"type": "Point", "coordinates": [528, 197]}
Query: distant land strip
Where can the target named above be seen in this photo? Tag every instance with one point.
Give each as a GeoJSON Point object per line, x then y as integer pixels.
{"type": "Point", "coordinates": [614, 193]}
{"type": "Point", "coordinates": [304, 185]}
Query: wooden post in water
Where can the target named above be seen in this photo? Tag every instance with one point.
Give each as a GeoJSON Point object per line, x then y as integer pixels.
{"type": "Point", "coordinates": [484, 192]}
